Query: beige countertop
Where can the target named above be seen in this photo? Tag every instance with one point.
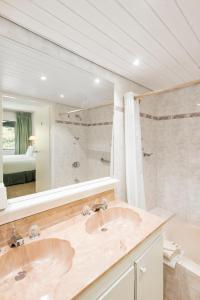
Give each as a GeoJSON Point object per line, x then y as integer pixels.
{"type": "Point", "coordinates": [93, 252]}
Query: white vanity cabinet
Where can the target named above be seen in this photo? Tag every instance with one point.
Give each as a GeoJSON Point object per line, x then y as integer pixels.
{"type": "Point", "coordinates": [122, 288]}
{"type": "Point", "coordinates": [149, 273]}
{"type": "Point", "coordinates": [138, 276]}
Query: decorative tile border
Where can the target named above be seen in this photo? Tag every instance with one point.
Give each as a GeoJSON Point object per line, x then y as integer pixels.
{"type": "Point", "coordinates": [143, 115]}
{"type": "Point", "coordinates": [170, 117]}
{"type": "Point", "coordinates": [84, 124]}
{"type": "Point", "coordinates": [148, 116]}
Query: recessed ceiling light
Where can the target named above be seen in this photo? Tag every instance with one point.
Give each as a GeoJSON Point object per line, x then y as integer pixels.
{"type": "Point", "coordinates": [97, 80]}
{"type": "Point", "coordinates": [198, 104]}
{"type": "Point", "coordinates": [43, 77]}
{"type": "Point", "coordinates": [62, 96]}
{"type": "Point", "coordinates": [7, 96]}
{"type": "Point", "coordinates": [136, 62]}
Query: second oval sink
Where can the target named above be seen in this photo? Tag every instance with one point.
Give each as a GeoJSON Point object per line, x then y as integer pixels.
{"type": "Point", "coordinates": [112, 218]}
{"type": "Point", "coordinates": [32, 270]}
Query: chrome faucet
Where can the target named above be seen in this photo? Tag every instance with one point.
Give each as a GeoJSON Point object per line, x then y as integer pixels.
{"type": "Point", "coordinates": [100, 206]}
{"type": "Point", "coordinates": [86, 210]}
{"type": "Point", "coordinates": [16, 239]}
{"type": "Point", "coordinates": [34, 232]}
{"type": "Point", "coordinates": [103, 205]}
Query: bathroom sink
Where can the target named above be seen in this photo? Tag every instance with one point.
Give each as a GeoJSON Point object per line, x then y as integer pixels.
{"type": "Point", "coordinates": [115, 218]}
{"type": "Point", "coordinates": [32, 270]}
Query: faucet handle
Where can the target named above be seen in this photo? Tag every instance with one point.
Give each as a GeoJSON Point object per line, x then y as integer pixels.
{"type": "Point", "coordinates": [13, 229]}
{"type": "Point", "coordinates": [104, 201]}
{"type": "Point", "coordinates": [34, 232]}
{"type": "Point", "coordinates": [86, 210]}
{"type": "Point", "coordinates": [16, 239]}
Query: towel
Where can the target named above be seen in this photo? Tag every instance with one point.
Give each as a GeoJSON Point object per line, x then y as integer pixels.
{"type": "Point", "coordinates": [172, 263]}
{"type": "Point", "coordinates": [172, 253]}
{"type": "Point", "coordinates": [171, 249]}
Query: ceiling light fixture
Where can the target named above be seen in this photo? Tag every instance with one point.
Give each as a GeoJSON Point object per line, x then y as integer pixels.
{"type": "Point", "coordinates": [62, 96]}
{"type": "Point", "coordinates": [97, 80]}
{"type": "Point", "coordinates": [136, 62]}
{"type": "Point", "coordinates": [7, 96]}
{"type": "Point", "coordinates": [198, 104]}
{"type": "Point", "coordinates": [43, 77]}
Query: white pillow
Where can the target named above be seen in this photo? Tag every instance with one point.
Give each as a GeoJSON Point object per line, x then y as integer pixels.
{"type": "Point", "coordinates": [29, 151]}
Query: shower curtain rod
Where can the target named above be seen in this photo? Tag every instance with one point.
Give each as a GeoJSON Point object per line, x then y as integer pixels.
{"type": "Point", "coordinates": [73, 111]}
{"type": "Point", "coordinates": [176, 87]}
{"type": "Point", "coordinates": [83, 109]}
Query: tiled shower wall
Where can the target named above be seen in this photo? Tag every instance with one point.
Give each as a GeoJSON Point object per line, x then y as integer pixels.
{"type": "Point", "coordinates": [171, 131]}
{"type": "Point", "coordinates": [69, 145]}
{"type": "Point", "coordinates": [99, 141]}
{"type": "Point", "coordinates": [83, 137]}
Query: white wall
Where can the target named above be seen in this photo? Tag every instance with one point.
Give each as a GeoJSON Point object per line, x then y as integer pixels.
{"type": "Point", "coordinates": [9, 115]}
{"type": "Point", "coordinates": [121, 86]}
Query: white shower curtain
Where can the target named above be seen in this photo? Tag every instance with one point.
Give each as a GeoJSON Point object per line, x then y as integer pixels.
{"type": "Point", "coordinates": [133, 152]}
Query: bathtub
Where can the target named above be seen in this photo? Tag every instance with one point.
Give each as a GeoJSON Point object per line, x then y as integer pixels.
{"type": "Point", "coordinates": [183, 282]}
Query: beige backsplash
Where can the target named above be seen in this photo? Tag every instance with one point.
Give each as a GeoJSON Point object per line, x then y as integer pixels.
{"type": "Point", "coordinates": [52, 216]}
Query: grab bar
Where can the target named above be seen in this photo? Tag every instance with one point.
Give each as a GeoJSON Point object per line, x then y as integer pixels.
{"type": "Point", "coordinates": [105, 160]}
{"type": "Point", "coordinates": [145, 154]}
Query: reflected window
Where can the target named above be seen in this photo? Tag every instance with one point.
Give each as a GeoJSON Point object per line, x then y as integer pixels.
{"type": "Point", "coordinates": [8, 136]}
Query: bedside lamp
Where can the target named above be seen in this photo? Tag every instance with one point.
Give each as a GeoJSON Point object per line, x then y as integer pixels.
{"type": "Point", "coordinates": [32, 139]}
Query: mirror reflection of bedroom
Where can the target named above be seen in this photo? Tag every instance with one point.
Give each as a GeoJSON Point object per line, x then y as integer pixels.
{"type": "Point", "coordinates": [18, 156]}
{"type": "Point", "coordinates": [19, 129]}
{"type": "Point", "coordinates": [56, 119]}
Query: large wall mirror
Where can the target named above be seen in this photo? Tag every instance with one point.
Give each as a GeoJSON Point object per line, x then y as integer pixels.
{"type": "Point", "coordinates": [56, 121]}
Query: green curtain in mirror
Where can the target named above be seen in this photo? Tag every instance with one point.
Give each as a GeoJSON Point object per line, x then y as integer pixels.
{"type": "Point", "coordinates": [23, 131]}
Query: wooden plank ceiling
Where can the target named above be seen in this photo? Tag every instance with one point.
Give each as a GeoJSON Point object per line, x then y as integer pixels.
{"type": "Point", "coordinates": [163, 35]}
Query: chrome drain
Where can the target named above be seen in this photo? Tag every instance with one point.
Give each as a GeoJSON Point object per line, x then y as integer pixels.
{"type": "Point", "coordinates": [104, 229]}
{"type": "Point", "coordinates": [20, 275]}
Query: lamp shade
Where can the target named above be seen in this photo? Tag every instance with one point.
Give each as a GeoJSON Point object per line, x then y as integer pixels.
{"type": "Point", "coordinates": [32, 138]}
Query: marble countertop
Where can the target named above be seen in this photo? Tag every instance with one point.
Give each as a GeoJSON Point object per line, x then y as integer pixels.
{"type": "Point", "coordinates": [94, 253]}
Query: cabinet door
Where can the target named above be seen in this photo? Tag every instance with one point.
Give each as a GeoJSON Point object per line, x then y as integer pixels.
{"type": "Point", "coordinates": [122, 288]}
{"type": "Point", "coordinates": [149, 273]}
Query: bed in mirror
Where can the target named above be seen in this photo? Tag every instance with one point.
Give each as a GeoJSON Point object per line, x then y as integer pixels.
{"type": "Point", "coordinates": [56, 121]}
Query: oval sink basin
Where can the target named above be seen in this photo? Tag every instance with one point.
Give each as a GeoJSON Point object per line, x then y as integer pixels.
{"type": "Point", "coordinates": [115, 218]}
{"type": "Point", "coordinates": [31, 271]}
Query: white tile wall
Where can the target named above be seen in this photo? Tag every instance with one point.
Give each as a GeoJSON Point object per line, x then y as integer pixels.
{"type": "Point", "coordinates": [148, 128]}
{"type": "Point", "coordinates": [99, 141]}
{"type": "Point", "coordinates": [93, 144]}
{"type": "Point", "coordinates": [175, 164]}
